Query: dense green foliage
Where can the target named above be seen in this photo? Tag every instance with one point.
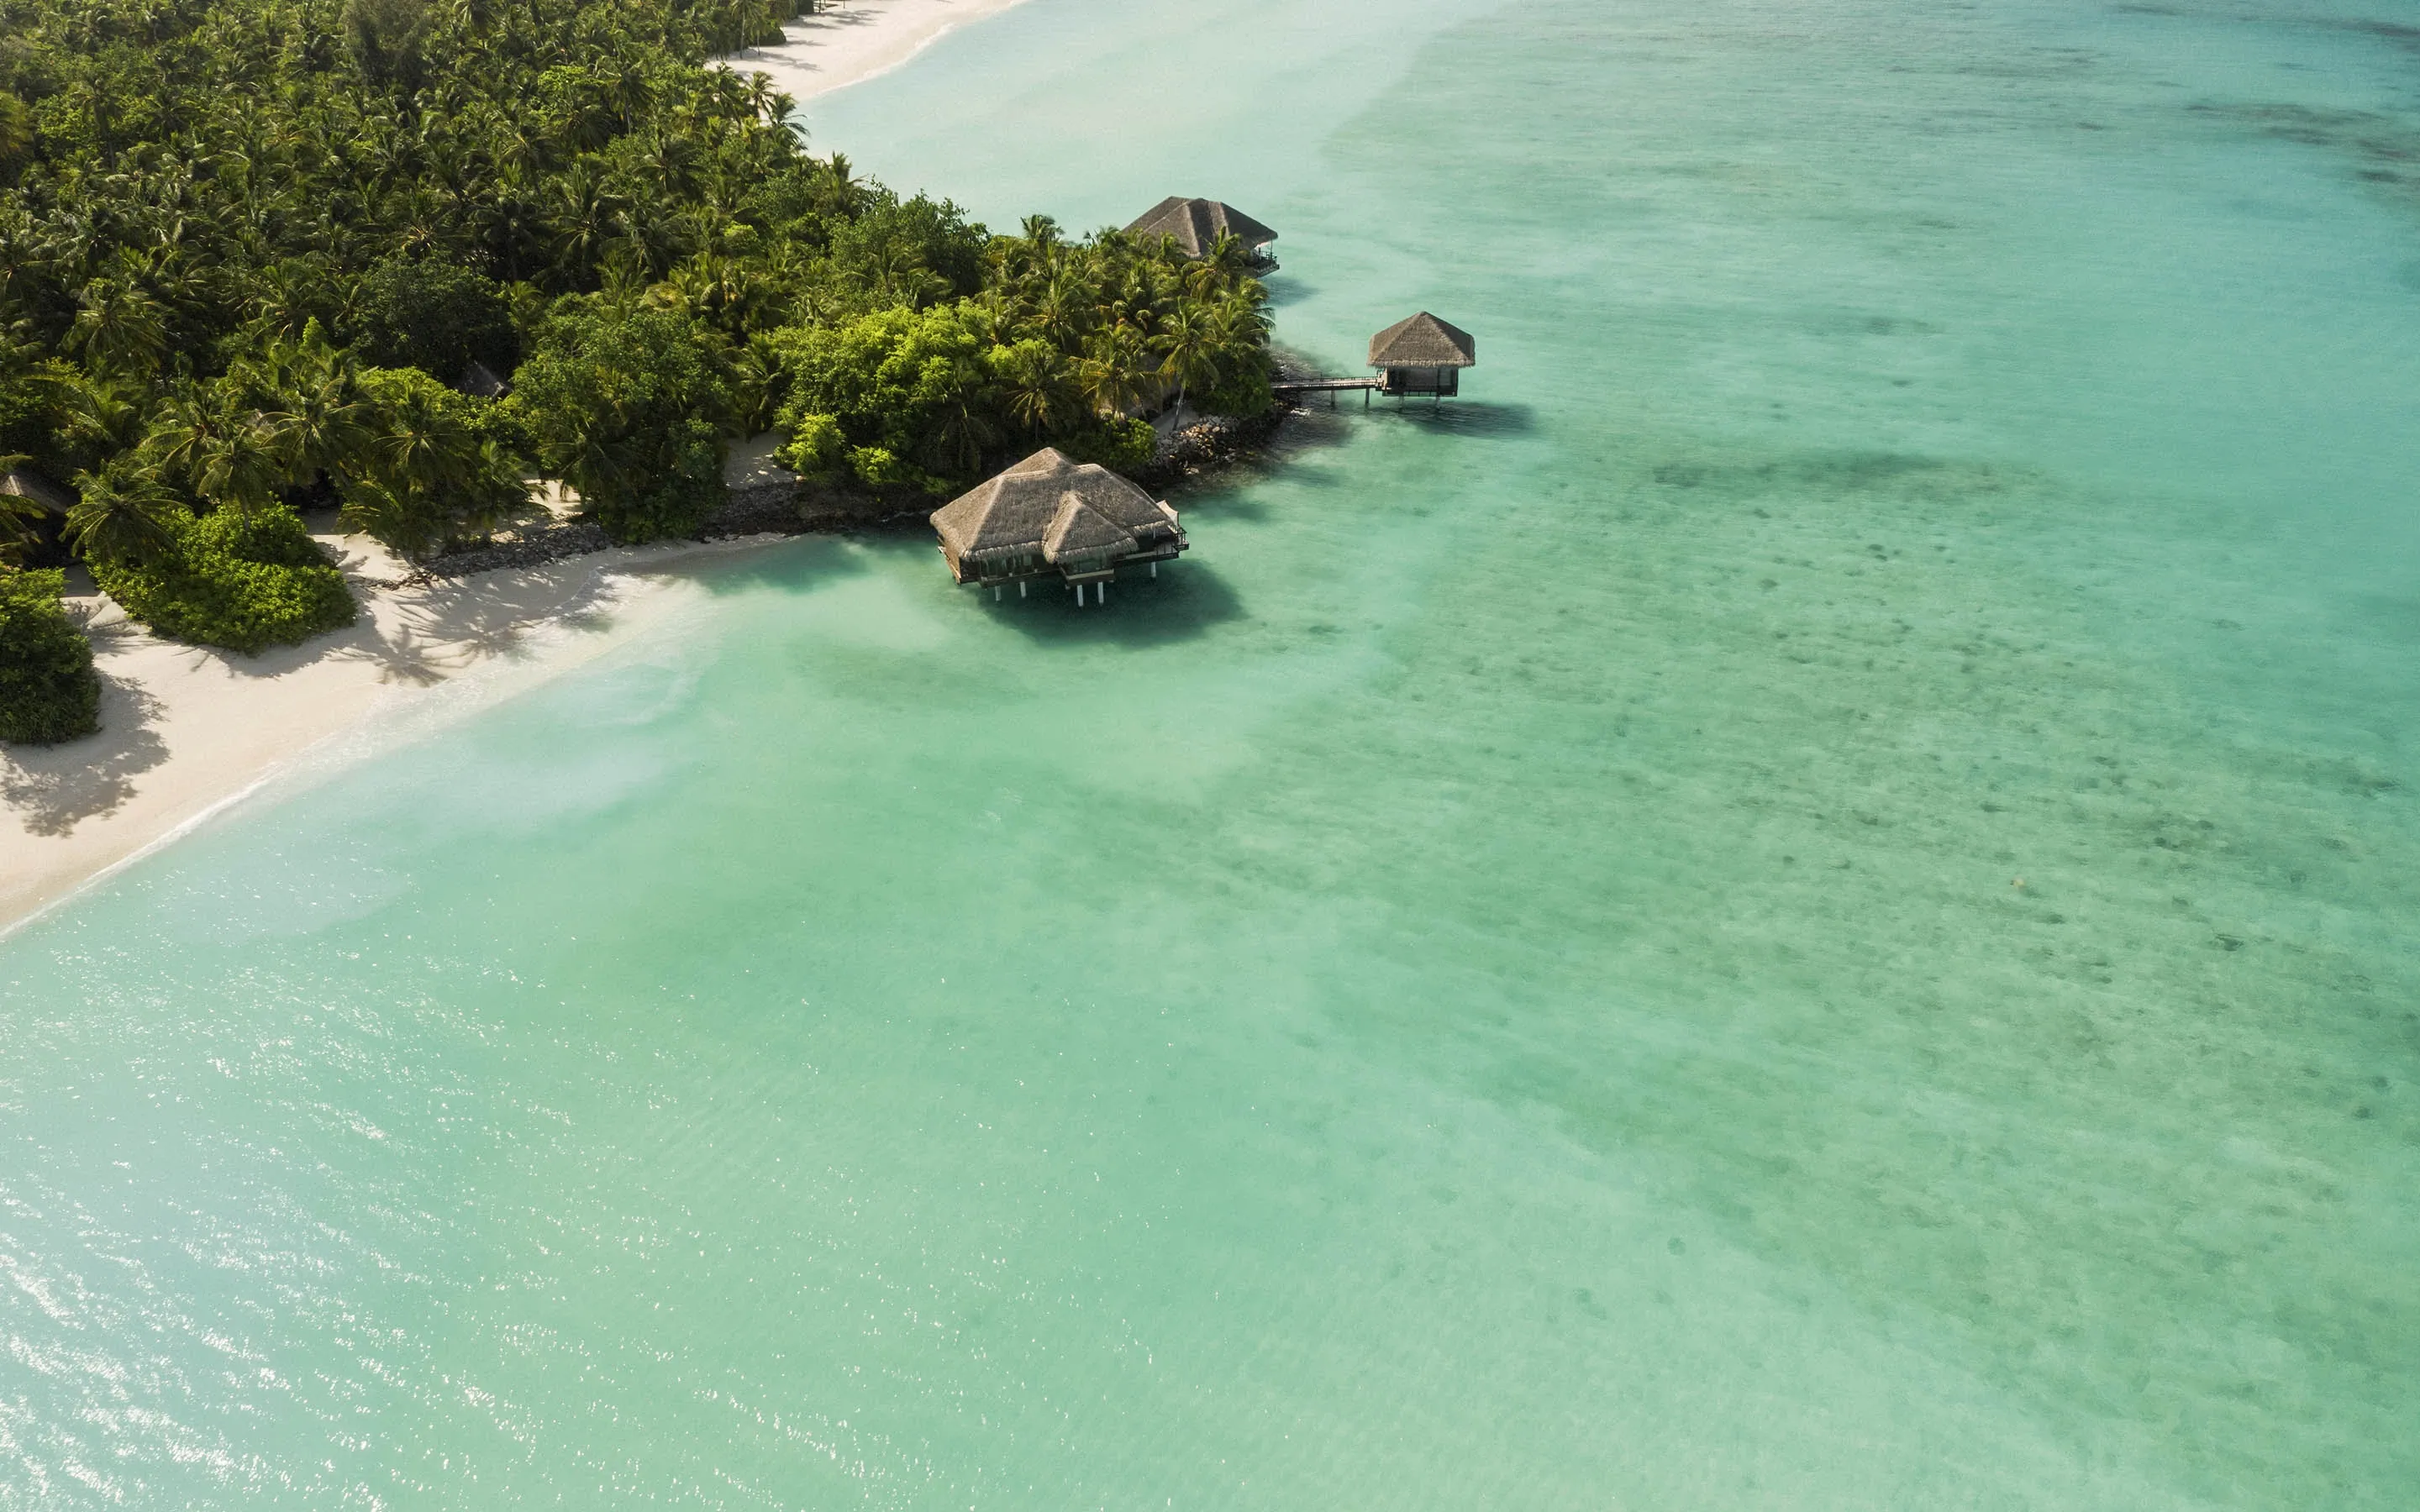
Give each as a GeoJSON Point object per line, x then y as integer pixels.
{"type": "Point", "coordinates": [625, 406]}
{"type": "Point", "coordinates": [48, 691]}
{"type": "Point", "coordinates": [228, 579]}
{"type": "Point", "coordinates": [230, 230]}
{"type": "Point", "coordinates": [1062, 341]}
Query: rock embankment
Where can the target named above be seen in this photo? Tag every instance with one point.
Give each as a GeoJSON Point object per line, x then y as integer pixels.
{"type": "Point", "coordinates": [771, 503]}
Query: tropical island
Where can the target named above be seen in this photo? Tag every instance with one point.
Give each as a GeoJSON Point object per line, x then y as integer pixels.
{"type": "Point", "coordinates": [404, 259]}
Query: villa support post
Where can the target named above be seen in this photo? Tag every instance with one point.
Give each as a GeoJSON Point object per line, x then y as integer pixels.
{"type": "Point", "coordinates": [1155, 569]}
{"type": "Point", "coordinates": [1020, 588]}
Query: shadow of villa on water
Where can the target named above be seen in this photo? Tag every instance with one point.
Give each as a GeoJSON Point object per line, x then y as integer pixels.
{"type": "Point", "coordinates": [1185, 601]}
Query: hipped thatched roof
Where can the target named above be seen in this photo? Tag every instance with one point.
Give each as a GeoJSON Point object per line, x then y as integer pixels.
{"type": "Point", "coordinates": [1049, 506]}
{"type": "Point", "coordinates": [1423, 341]}
{"type": "Point", "coordinates": [1198, 223]}
{"type": "Point", "coordinates": [41, 491]}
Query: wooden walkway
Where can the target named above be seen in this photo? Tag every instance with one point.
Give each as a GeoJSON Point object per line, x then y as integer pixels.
{"type": "Point", "coordinates": [1327, 385]}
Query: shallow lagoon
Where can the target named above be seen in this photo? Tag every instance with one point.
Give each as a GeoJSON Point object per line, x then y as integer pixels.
{"type": "Point", "coordinates": [1806, 899]}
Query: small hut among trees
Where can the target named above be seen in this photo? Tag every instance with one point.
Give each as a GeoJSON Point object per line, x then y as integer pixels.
{"type": "Point", "coordinates": [1424, 355]}
{"type": "Point", "coordinates": [38, 492]}
{"type": "Point", "coordinates": [32, 508]}
{"type": "Point", "coordinates": [1052, 517]}
{"type": "Point", "coordinates": [1198, 223]}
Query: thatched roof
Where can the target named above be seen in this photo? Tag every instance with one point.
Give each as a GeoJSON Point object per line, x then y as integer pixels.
{"type": "Point", "coordinates": [1054, 510]}
{"type": "Point", "coordinates": [41, 491]}
{"type": "Point", "coordinates": [1198, 223]}
{"type": "Point", "coordinates": [1423, 341]}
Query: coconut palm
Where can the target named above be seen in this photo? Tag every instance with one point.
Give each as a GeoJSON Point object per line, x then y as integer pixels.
{"type": "Point", "coordinates": [122, 513]}
{"type": "Point", "coordinates": [227, 450]}
{"type": "Point", "coordinates": [309, 394]}
{"type": "Point", "coordinates": [580, 215]}
{"type": "Point", "coordinates": [1191, 342]}
{"type": "Point", "coordinates": [1037, 386]}
{"type": "Point", "coordinates": [120, 327]}
{"type": "Point", "coordinates": [1117, 372]}
{"type": "Point", "coordinates": [98, 416]}
{"type": "Point", "coordinates": [961, 427]}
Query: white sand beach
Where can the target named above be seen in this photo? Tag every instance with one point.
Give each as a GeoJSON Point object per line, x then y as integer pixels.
{"type": "Point", "coordinates": [846, 43]}
{"type": "Point", "coordinates": [186, 729]}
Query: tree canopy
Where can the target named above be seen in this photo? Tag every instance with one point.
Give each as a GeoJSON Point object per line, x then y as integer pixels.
{"type": "Point", "coordinates": [250, 249]}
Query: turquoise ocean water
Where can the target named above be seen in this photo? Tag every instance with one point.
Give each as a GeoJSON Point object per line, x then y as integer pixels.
{"type": "Point", "coordinates": [1810, 900]}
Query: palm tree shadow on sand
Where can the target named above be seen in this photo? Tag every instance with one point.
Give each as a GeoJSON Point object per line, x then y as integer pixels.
{"type": "Point", "coordinates": [51, 789]}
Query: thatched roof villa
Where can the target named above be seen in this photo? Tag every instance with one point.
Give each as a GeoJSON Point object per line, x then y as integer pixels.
{"type": "Point", "coordinates": [1198, 223]}
{"type": "Point", "coordinates": [39, 490]}
{"type": "Point", "coordinates": [1050, 517]}
{"type": "Point", "coordinates": [1424, 355]}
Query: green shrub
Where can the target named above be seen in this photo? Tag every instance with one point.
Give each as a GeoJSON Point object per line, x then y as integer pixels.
{"type": "Point", "coordinates": [48, 691]}
{"type": "Point", "coordinates": [432, 315]}
{"type": "Point", "coordinates": [625, 406]}
{"type": "Point", "coordinates": [224, 580]}
{"type": "Point", "coordinates": [1120, 445]}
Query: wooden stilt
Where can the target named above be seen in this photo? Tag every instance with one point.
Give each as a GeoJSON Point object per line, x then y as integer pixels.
{"type": "Point", "coordinates": [1155, 569]}
{"type": "Point", "coordinates": [1020, 588]}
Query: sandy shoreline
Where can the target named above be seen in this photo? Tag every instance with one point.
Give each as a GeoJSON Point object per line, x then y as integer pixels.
{"type": "Point", "coordinates": [186, 732]}
{"type": "Point", "coordinates": [861, 38]}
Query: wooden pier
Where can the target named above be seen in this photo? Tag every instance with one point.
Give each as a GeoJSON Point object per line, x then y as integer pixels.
{"type": "Point", "coordinates": [1326, 385]}
{"type": "Point", "coordinates": [1421, 355]}
{"type": "Point", "coordinates": [1297, 388]}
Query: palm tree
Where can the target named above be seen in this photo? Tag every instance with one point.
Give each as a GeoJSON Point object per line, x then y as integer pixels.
{"type": "Point", "coordinates": [123, 513]}
{"type": "Point", "coordinates": [1228, 263]}
{"type": "Point", "coordinates": [1062, 307]}
{"type": "Point", "coordinates": [768, 102]}
{"type": "Point", "coordinates": [961, 430]}
{"type": "Point", "coordinates": [120, 328]}
{"type": "Point", "coordinates": [312, 405]}
{"type": "Point", "coordinates": [99, 416]}
{"type": "Point", "coordinates": [580, 213]}
{"type": "Point", "coordinates": [670, 159]}
{"type": "Point", "coordinates": [848, 195]}
{"type": "Point", "coordinates": [227, 450]}
{"type": "Point", "coordinates": [421, 448]}
{"type": "Point", "coordinates": [1190, 343]}
{"type": "Point", "coordinates": [1117, 373]}
{"type": "Point", "coordinates": [1038, 387]}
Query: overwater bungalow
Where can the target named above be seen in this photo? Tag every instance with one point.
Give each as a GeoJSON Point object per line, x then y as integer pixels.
{"type": "Point", "coordinates": [1052, 518]}
{"type": "Point", "coordinates": [1422, 355]}
{"type": "Point", "coordinates": [1198, 223]}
